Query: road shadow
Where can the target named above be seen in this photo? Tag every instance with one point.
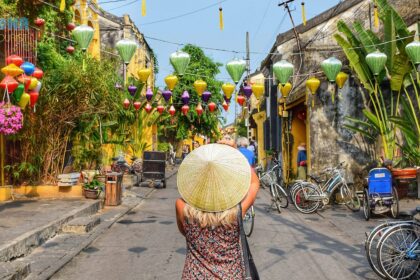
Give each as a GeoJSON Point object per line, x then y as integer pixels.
{"type": "Point", "coordinates": [15, 204]}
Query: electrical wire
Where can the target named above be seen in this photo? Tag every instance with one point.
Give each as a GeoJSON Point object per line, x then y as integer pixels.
{"type": "Point", "coordinates": [124, 5]}
{"type": "Point", "coordinates": [262, 19]}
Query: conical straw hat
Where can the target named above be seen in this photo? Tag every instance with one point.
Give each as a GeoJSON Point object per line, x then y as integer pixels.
{"type": "Point", "coordinates": [214, 178]}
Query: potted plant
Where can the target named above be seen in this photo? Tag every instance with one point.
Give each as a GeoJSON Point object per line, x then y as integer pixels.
{"type": "Point", "coordinates": [93, 189]}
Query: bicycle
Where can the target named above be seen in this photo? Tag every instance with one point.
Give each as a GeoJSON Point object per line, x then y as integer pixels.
{"type": "Point", "coordinates": [308, 196]}
{"type": "Point", "coordinates": [248, 221]}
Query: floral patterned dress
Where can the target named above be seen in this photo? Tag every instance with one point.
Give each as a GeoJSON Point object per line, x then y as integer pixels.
{"type": "Point", "coordinates": [213, 253]}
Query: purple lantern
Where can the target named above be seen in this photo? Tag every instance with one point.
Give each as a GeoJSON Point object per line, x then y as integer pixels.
{"type": "Point", "coordinates": [247, 90]}
{"type": "Point", "coordinates": [132, 89]}
{"type": "Point", "coordinates": [118, 86]}
{"type": "Point", "coordinates": [185, 98]}
{"type": "Point", "coordinates": [167, 94]}
{"type": "Point", "coordinates": [206, 96]}
{"type": "Point", "coordinates": [149, 94]}
{"type": "Point", "coordinates": [227, 99]}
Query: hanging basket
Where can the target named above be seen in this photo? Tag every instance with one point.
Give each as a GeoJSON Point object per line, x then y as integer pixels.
{"type": "Point", "coordinates": [11, 119]}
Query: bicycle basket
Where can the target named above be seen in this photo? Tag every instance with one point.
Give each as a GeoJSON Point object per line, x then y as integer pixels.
{"type": "Point", "coordinates": [268, 178]}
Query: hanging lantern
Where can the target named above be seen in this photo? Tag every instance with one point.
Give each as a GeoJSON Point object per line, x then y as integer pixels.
{"type": "Point", "coordinates": [206, 96]}
{"type": "Point", "coordinates": [126, 49]}
{"type": "Point", "coordinates": [38, 87]}
{"type": "Point", "coordinates": [285, 89]}
{"type": "Point", "coordinates": [26, 81]}
{"type": "Point", "coordinates": [258, 90]}
{"type": "Point", "coordinates": [126, 103]}
{"type": "Point", "coordinates": [171, 81]}
{"type": "Point", "coordinates": [313, 84]}
{"type": "Point", "coordinates": [149, 94]}
{"type": "Point", "coordinates": [240, 99]}
{"type": "Point", "coordinates": [185, 97]}
{"type": "Point", "coordinates": [212, 106]}
{"type": "Point", "coordinates": [70, 49]}
{"type": "Point", "coordinates": [148, 108]}
{"type": "Point", "coordinates": [15, 59]}
{"type": "Point", "coordinates": [38, 73]}
{"type": "Point", "coordinates": [70, 26]}
{"type": "Point", "coordinates": [413, 52]}
{"type": "Point", "coordinates": [228, 89]}
{"type": "Point", "coordinates": [24, 100]}
{"type": "Point", "coordinates": [303, 13]}
{"type": "Point", "coordinates": [247, 90]}
{"type": "Point", "coordinates": [11, 70]}
{"type": "Point", "coordinates": [283, 70]}
{"type": "Point", "coordinates": [225, 106]}
{"type": "Point", "coordinates": [143, 8]}
{"type": "Point", "coordinates": [83, 35]}
{"type": "Point", "coordinates": [185, 109]}
{"type": "Point", "coordinates": [62, 5]}
{"type": "Point", "coordinates": [144, 74]}
{"type": "Point", "coordinates": [137, 105]}
{"type": "Point", "coordinates": [160, 109]}
{"type": "Point", "coordinates": [19, 92]}
{"type": "Point", "coordinates": [221, 25]}
{"type": "Point", "coordinates": [39, 22]}
{"type": "Point", "coordinates": [341, 79]}
{"type": "Point", "coordinates": [167, 94]}
{"type": "Point", "coordinates": [236, 69]}
{"type": "Point", "coordinates": [227, 99]}
{"type": "Point", "coordinates": [376, 62]}
{"type": "Point", "coordinates": [199, 109]}
{"type": "Point", "coordinates": [118, 86]}
{"type": "Point", "coordinates": [331, 68]}
{"type": "Point", "coordinates": [180, 61]}
{"type": "Point", "coordinates": [33, 98]}
{"type": "Point", "coordinates": [200, 86]}
{"type": "Point", "coordinates": [132, 89]}
{"type": "Point", "coordinates": [172, 110]}
{"type": "Point", "coordinates": [9, 83]}
{"type": "Point", "coordinates": [33, 84]}
{"type": "Point", "coordinates": [28, 68]}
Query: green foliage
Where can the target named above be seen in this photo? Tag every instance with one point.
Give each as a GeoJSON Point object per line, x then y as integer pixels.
{"type": "Point", "coordinates": [241, 129]}
{"type": "Point", "coordinates": [163, 147]}
{"type": "Point", "coordinates": [93, 185]}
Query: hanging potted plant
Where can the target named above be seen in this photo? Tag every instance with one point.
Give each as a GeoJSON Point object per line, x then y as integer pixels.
{"type": "Point", "coordinates": [93, 189]}
{"type": "Point", "coordinates": [11, 119]}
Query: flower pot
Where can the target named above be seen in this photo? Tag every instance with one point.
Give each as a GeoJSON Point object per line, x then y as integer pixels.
{"type": "Point", "coordinates": [91, 194]}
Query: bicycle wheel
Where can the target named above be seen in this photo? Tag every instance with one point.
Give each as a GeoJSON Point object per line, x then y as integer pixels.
{"type": "Point", "coordinates": [395, 257]}
{"type": "Point", "coordinates": [282, 197]}
{"type": "Point", "coordinates": [274, 197]}
{"type": "Point", "coordinates": [292, 189]}
{"type": "Point", "coordinates": [395, 207]}
{"type": "Point", "coordinates": [307, 199]}
{"type": "Point", "coordinates": [350, 198]}
{"type": "Point", "coordinates": [248, 221]}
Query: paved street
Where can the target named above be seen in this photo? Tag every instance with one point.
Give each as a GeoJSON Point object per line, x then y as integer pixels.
{"type": "Point", "coordinates": [145, 244]}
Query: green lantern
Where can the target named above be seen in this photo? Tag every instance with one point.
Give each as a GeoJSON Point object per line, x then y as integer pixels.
{"type": "Point", "coordinates": [283, 70]}
{"type": "Point", "coordinates": [331, 67]}
{"type": "Point", "coordinates": [413, 52]}
{"type": "Point", "coordinates": [236, 69]}
{"type": "Point", "coordinates": [376, 62]}
{"type": "Point", "coordinates": [126, 49]}
{"type": "Point", "coordinates": [180, 61]}
{"type": "Point", "coordinates": [83, 34]}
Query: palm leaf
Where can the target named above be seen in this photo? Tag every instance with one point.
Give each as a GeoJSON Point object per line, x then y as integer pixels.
{"type": "Point", "coordinates": [372, 118]}
{"type": "Point", "coordinates": [373, 38]}
{"type": "Point", "coordinates": [390, 45]}
{"type": "Point", "coordinates": [401, 67]}
{"type": "Point", "coordinates": [363, 132]}
{"type": "Point", "coordinates": [368, 43]}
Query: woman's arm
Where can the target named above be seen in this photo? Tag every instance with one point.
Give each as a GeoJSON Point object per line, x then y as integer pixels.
{"type": "Point", "coordinates": [252, 193]}
{"type": "Point", "coordinates": [179, 208]}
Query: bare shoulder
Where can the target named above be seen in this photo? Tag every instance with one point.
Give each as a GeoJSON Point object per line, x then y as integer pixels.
{"type": "Point", "coordinates": [179, 204]}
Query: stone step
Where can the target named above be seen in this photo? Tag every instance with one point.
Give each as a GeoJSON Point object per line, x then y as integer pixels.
{"type": "Point", "coordinates": [81, 225]}
{"type": "Point", "coordinates": [14, 271]}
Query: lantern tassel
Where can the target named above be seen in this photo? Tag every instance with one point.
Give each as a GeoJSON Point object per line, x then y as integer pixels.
{"type": "Point", "coordinates": [143, 8]}
{"type": "Point", "coordinates": [62, 5]}
{"type": "Point", "coordinates": [313, 100]}
{"type": "Point", "coordinates": [221, 25]}
{"type": "Point", "coordinates": [375, 16]}
{"type": "Point", "coordinates": [303, 14]}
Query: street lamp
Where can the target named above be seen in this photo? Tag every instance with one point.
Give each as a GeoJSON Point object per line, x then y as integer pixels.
{"type": "Point", "coordinates": [126, 49]}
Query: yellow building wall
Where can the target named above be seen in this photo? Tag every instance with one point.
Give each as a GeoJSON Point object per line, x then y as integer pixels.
{"type": "Point", "coordinates": [47, 191]}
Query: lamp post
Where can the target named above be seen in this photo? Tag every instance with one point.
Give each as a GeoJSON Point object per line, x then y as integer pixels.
{"type": "Point", "coordinates": [126, 49]}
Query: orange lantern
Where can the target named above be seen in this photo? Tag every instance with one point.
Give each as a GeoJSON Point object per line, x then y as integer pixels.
{"type": "Point", "coordinates": [240, 99]}
{"type": "Point", "coordinates": [225, 106]}
{"type": "Point", "coordinates": [200, 86]}
{"type": "Point", "coordinates": [171, 81]}
{"type": "Point", "coordinates": [212, 106]}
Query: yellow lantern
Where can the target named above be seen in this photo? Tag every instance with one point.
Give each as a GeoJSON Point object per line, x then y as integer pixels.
{"type": "Point", "coordinates": [11, 70]}
{"type": "Point", "coordinates": [228, 89]}
{"type": "Point", "coordinates": [171, 81]}
{"type": "Point", "coordinates": [33, 84]}
{"type": "Point", "coordinates": [341, 79]}
{"type": "Point", "coordinates": [313, 84]}
{"type": "Point", "coordinates": [144, 74]}
{"type": "Point", "coordinates": [24, 100]}
{"type": "Point", "coordinates": [257, 90]}
{"type": "Point", "coordinates": [200, 86]}
{"type": "Point", "coordinates": [285, 90]}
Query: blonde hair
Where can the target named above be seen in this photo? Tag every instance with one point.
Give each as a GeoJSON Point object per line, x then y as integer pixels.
{"type": "Point", "coordinates": [209, 219]}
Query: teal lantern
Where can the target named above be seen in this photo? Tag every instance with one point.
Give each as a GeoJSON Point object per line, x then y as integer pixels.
{"type": "Point", "coordinates": [83, 35]}
{"type": "Point", "coordinates": [331, 67]}
{"type": "Point", "coordinates": [126, 48]}
{"type": "Point", "coordinates": [376, 62]}
{"type": "Point", "coordinates": [283, 70]}
{"type": "Point", "coordinates": [180, 61]}
{"type": "Point", "coordinates": [413, 52]}
{"type": "Point", "coordinates": [236, 69]}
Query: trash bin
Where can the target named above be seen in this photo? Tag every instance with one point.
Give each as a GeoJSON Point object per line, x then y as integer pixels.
{"type": "Point", "coordinates": [113, 190]}
{"type": "Point", "coordinates": [154, 168]}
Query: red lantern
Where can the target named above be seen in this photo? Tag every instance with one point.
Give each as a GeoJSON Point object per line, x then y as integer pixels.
{"type": "Point", "coordinates": [148, 108]}
{"type": "Point", "coordinates": [70, 49]}
{"type": "Point", "coordinates": [185, 109]}
{"type": "Point", "coordinates": [160, 109]}
{"type": "Point", "coordinates": [225, 106]}
{"type": "Point", "coordinates": [212, 106]}
{"type": "Point", "coordinates": [38, 73]}
{"type": "Point", "coordinates": [199, 109]}
{"type": "Point", "coordinates": [137, 105]}
{"type": "Point", "coordinates": [39, 22]}
{"type": "Point", "coordinates": [172, 110]}
{"type": "Point", "coordinates": [126, 103]}
{"type": "Point", "coordinates": [70, 26]}
{"type": "Point", "coordinates": [240, 100]}
{"type": "Point", "coordinates": [9, 83]}
{"type": "Point", "coordinates": [33, 98]}
{"type": "Point", "coordinates": [15, 59]}
{"type": "Point", "coordinates": [301, 115]}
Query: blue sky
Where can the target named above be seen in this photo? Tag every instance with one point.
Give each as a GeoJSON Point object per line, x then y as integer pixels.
{"type": "Point", "coordinates": [263, 19]}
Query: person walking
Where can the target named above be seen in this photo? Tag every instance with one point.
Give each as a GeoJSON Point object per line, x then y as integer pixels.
{"type": "Point", "coordinates": [217, 186]}
{"type": "Point", "coordinates": [243, 144]}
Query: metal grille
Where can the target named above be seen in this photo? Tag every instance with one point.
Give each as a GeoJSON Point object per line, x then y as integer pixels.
{"type": "Point", "coordinates": [21, 42]}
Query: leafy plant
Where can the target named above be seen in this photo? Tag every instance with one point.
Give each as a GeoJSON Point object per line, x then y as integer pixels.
{"type": "Point", "coordinates": [93, 185]}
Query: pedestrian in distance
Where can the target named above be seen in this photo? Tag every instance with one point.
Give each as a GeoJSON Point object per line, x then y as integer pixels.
{"type": "Point", "coordinates": [217, 186]}
{"type": "Point", "coordinates": [243, 145]}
